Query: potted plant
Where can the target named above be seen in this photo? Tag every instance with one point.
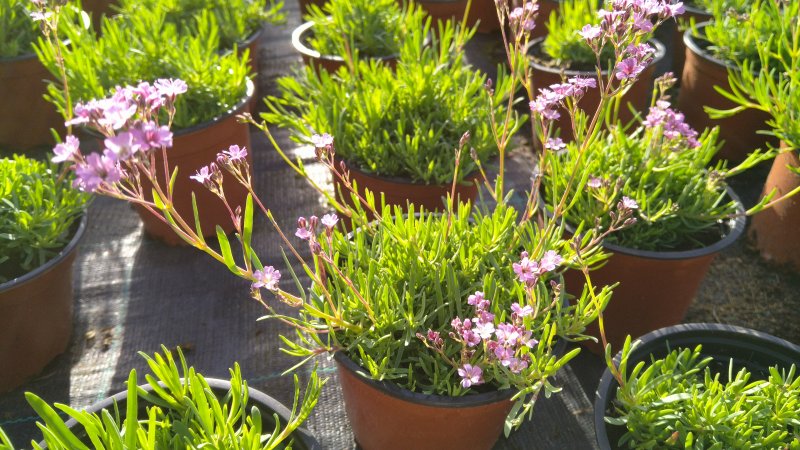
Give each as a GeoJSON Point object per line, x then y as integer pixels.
{"type": "Point", "coordinates": [397, 129]}
{"type": "Point", "coordinates": [686, 213]}
{"type": "Point", "coordinates": [713, 49]}
{"type": "Point", "coordinates": [139, 50]}
{"type": "Point", "coordinates": [702, 386]}
{"type": "Point", "coordinates": [341, 31]}
{"type": "Point", "coordinates": [770, 84]}
{"type": "Point", "coordinates": [463, 307]}
{"type": "Point", "coordinates": [25, 117]}
{"type": "Point", "coordinates": [41, 224]}
{"type": "Point", "coordinates": [239, 23]}
{"type": "Point", "coordinates": [179, 408]}
{"type": "Point", "coordinates": [564, 53]}
{"type": "Point", "coordinates": [473, 13]}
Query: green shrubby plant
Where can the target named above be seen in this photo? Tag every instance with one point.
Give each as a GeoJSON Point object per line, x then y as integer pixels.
{"type": "Point", "coordinates": [368, 28]}
{"type": "Point", "coordinates": [180, 411]}
{"type": "Point", "coordinates": [145, 47]}
{"type": "Point", "coordinates": [683, 401]}
{"type": "Point", "coordinates": [404, 122]}
{"type": "Point", "coordinates": [38, 214]}
{"type": "Point", "coordinates": [564, 45]}
{"type": "Point", "coordinates": [17, 30]}
{"type": "Point", "coordinates": [236, 20]}
{"type": "Point", "coordinates": [663, 167]}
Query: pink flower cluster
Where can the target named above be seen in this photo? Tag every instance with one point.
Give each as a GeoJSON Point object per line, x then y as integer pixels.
{"type": "Point", "coordinates": [128, 120]}
{"type": "Point", "coordinates": [503, 343]}
{"type": "Point", "coordinates": [550, 99]}
{"type": "Point", "coordinates": [529, 271]}
{"type": "Point", "coordinates": [672, 125]}
{"type": "Point", "coordinates": [523, 19]}
{"type": "Point", "coordinates": [306, 229]}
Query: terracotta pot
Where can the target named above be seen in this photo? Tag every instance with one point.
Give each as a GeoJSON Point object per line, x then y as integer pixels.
{"type": "Point", "coordinates": [655, 288]}
{"type": "Point", "coordinates": [401, 192]}
{"type": "Point", "coordinates": [98, 9]}
{"type": "Point", "coordinates": [748, 348]}
{"type": "Point", "coordinates": [483, 10]}
{"type": "Point", "coordinates": [774, 230]}
{"type": "Point", "coordinates": [678, 47]}
{"type": "Point", "coordinates": [329, 63]}
{"type": "Point", "coordinates": [700, 74]}
{"type": "Point", "coordinates": [384, 416]}
{"type": "Point", "coordinates": [546, 8]}
{"type": "Point", "coordinates": [638, 95]}
{"type": "Point", "coordinates": [36, 316]}
{"type": "Point", "coordinates": [253, 44]}
{"type": "Point", "coordinates": [25, 116]}
{"type": "Point", "coordinates": [192, 149]}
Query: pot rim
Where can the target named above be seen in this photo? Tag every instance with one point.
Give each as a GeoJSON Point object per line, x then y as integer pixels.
{"type": "Point", "coordinates": [691, 42]}
{"type": "Point", "coordinates": [300, 34]}
{"type": "Point", "coordinates": [236, 109]}
{"type": "Point", "coordinates": [473, 176]}
{"type": "Point", "coordinates": [18, 58]}
{"type": "Point", "coordinates": [692, 332]}
{"type": "Point", "coordinates": [300, 433]}
{"type": "Point", "coordinates": [661, 51]}
{"type": "Point", "coordinates": [252, 37]}
{"type": "Point", "coordinates": [736, 228]}
{"type": "Point", "coordinates": [691, 9]}
{"type": "Point", "coordinates": [52, 262]}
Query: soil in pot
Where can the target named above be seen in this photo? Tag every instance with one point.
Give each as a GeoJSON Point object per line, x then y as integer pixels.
{"type": "Point", "coordinates": [748, 348]}
{"type": "Point", "coordinates": [400, 192]}
{"type": "Point", "coordinates": [775, 230]}
{"type": "Point", "coordinates": [386, 417]}
{"type": "Point", "coordinates": [637, 97]}
{"type": "Point", "coordinates": [192, 149]}
{"type": "Point", "coordinates": [36, 316]}
{"type": "Point", "coordinates": [25, 116]}
{"type": "Point", "coordinates": [701, 73]}
{"type": "Point", "coordinates": [655, 288]}
{"type": "Point", "coordinates": [329, 63]}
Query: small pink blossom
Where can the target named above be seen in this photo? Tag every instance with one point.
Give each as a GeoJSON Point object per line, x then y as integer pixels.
{"type": "Point", "coordinates": [629, 203]}
{"type": "Point", "coordinates": [520, 311]}
{"type": "Point", "coordinates": [267, 278]}
{"type": "Point", "coordinates": [590, 33]}
{"type": "Point", "coordinates": [322, 141]}
{"type": "Point", "coordinates": [203, 175]}
{"type": "Point", "coordinates": [555, 144]}
{"type": "Point", "coordinates": [97, 169]}
{"type": "Point", "coordinates": [235, 153]}
{"type": "Point", "coordinates": [470, 375]}
{"type": "Point", "coordinates": [66, 150]}
{"type": "Point", "coordinates": [594, 182]}
{"type": "Point", "coordinates": [550, 261]}
{"type": "Point", "coordinates": [148, 135]}
{"type": "Point", "coordinates": [329, 221]}
{"type": "Point", "coordinates": [171, 87]}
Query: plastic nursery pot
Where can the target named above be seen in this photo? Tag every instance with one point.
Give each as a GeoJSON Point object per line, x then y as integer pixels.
{"type": "Point", "coordinates": [329, 63]}
{"type": "Point", "coordinates": [192, 149]}
{"type": "Point", "coordinates": [253, 45]}
{"type": "Point", "coordinates": [774, 230]}
{"type": "Point", "coordinates": [480, 10]}
{"type": "Point", "coordinates": [268, 406]}
{"type": "Point", "coordinates": [750, 349]}
{"type": "Point", "coordinates": [638, 96]}
{"type": "Point", "coordinates": [400, 192]}
{"type": "Point", "coordinates": [678, 47]}
{"type": "Point", "coordinates": [36, 315]}
{"type": "Point", "coordinates": [655, 288]}
{"type": "Point", "coordinates": [25, 116]}
{"type": "Point", "coordinates": [98, 9]}
{"type": "Point", "coordinates": [546, 8]}
{"type": "Point", "coordinates": [701, 73]}
{"type": "Point", "coordinates": [384, 416]}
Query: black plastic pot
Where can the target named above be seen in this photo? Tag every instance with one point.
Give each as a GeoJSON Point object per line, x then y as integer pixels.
{"type": "Point", "coordinates": [303, 439]}
{"type": "Point", "coordinates": [748, 348]}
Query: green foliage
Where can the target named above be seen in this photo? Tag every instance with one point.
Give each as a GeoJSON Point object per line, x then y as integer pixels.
{"type": "Point", "coordinates": [398, 123]}
{"type": "Point", "coordinates": [737, 29]}
{"type": "Point", "coordinates": [771, 81]}
{"type": "Point", "coordinates": [721, 5]}
{"type": "Point", "coordinates": [372, 28]}
{"type": "Point", "coordinates": [681, 200]}
{"type": "Point", "coordinates": [145, 47]}
{"type": "Point", "coordinates": [680, 402]}
{"type": "Point", "coordinates": [236, 20]}
{"type": "Point", "coordinates": [181, 411]}
{"type": "Point", "coordinates": [38, 211]}
{"type": "Point", "coordinates": [564, 45]}
{"type": "Point", "coordinates": [17, 30]}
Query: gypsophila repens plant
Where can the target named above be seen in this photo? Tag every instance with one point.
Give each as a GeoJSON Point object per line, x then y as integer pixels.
{"type": "Point", "coordinates": [38, 214]}
{"type": "Point", "coordinates": [143, 47]}
{"type": "Point", "coordinates": [402, 122]}
{"type": "Point", "coordinates": [563, 46]}
{"type": "Point", "coordinates": [17, 30]}
{"type": "Point", "coordinates": [483, 309]}
{"type": "Point", "coordinates": [178, 409]}
{"type": "Point", "coordinates": [735, 31]}
{"type": "Point", "coordinates": [235, 20]}
{"type": "Point", "coordinates": [664, 169]}
{"type": "Point", "coordinates": [771, 83]}
{"type": "Point", "coordinates": [686, 401]}
{"type": "Point", "coordinates": [367, 28]}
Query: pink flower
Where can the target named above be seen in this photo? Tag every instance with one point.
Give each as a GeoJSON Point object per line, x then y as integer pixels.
{"type": "Point", "coordinates": [148, 135]}
{"type": "Point", "coordinates": [470, 375]}
{"type": "Point", "coordinates": [556, 145]}
{"type": "Point", "coordinates": [235, 153]}
{"type": "Point", "coordinates": [322, 141]}
{"type": "Point", "coordinates": [122, 145]}
{"type": "Point", "coordinates": [171, 87]}
{"type": "Point", "coordinates": [96, 170]}
{"type": "Point", "coordinates": [116, 114]}
{"type": "Point", "coordinates": [203, 175]}
{"type": "Point", "coordinates": [527, 270]}
{"type": "Point", "coordinates": [550, 261]}
{"type": "Point", "coordinates": [66, 150]}
{"type": "Point", "coordinates": [521, 312]}
{"type": "Point", "coordinates": [267, 278]}
{"type": "Point", "coordinates": [484, 329]}
{"type": "Point", "coordinates": [629, 203]}
{"type": "Point", "coordinates": [594, 182]}
{"type": "Point", "coordinates": [329, 221]}
{"type": "Point", "coordinates": [590, 33]}
{"type": "Point", "coordinates": [303, 233]}
{"type": "Point", "coordinates": [628, 68]}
